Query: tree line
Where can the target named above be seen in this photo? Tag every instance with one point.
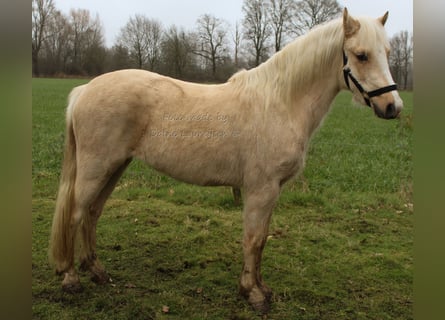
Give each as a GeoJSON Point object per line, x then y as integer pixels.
{"type": "Point", "coordinates": [74, 44]}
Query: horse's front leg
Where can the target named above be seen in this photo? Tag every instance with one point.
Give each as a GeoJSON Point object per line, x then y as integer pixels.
{"type": "Point", "coordinates": [258, 207]}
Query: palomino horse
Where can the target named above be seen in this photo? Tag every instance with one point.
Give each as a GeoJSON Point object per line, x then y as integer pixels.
{"type": "Point", "coordinates": [251, 132]}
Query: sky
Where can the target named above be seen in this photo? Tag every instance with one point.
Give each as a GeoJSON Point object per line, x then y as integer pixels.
{"type": "Point", "coordinates": [114, 14]}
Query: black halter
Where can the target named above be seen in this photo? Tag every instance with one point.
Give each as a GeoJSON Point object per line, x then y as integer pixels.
{"type": "Point", "coordinates": [366, 95]}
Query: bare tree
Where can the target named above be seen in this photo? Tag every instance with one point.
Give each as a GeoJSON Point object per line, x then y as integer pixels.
{"type": "Point", "coordinates": [212, 40]}
{"type": "Point", "coordinates": [41, 12]}
{"type": "Point", "coordinates": [154, 37]}
{"type": "Point", "coordinates": [79, 20]}
{"type": "Point", "coordinates": [132, 36]}
{"type": "Point", "coordinates": [401, 57]}
{"type": "Point", "coordinates": [177, 48]}
{"type": "Point", "coordinates": [142, 37]}
{"type": "Point", "coordinates": [256, 27]}
{"type": "Point", "coordinates": [236, 37]}
{"type": "Point", "coordinates": [87, 39]}
{"type": "Point", "coordinates": [57, 43]}
{"type": "Point", "coordinates": [309, 13]}
{"type": "Point", "coordinates": [118, 58]}
{"type": "Point", "coordinates": [280, 19]}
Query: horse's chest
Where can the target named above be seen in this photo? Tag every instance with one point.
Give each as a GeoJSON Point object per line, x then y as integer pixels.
{"type": "Point", "coordinates": [291, 160]}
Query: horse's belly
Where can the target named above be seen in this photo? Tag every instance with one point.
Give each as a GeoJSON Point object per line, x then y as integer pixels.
{"type": "Point", "coordinates": [193, 160]}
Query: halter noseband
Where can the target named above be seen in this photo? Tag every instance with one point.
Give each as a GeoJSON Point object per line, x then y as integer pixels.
{"type": "Point", "coordinates": [366, 95]}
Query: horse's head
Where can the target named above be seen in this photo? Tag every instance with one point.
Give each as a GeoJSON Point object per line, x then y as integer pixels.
{"type": "Point", "coordinates": [366, 69]}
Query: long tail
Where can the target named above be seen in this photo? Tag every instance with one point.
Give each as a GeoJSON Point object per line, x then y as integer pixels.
{"type": "Point", "coordinates": [61, 250]}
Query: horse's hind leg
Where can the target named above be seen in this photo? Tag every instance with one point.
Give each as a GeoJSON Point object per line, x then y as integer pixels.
{"type": "Point", "coordinates": [258, 206]}
{"type": "Point", "coordinates": [88, 257]}
{"type": "Point", "coordinates": [84, 193]}
{"type": "Point", "coordinates": [91, 178]}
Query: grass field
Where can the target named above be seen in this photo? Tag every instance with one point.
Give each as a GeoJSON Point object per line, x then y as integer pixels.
{"type": "Point", "coordinates": [340, 244]}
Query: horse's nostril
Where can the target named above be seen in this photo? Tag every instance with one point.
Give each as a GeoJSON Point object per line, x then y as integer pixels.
{"type": "Point", "coordinates": [390, 111]}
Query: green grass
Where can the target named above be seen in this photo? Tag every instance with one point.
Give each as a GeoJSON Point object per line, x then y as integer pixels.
{"type": "Point", "coordinates": [340, 245]}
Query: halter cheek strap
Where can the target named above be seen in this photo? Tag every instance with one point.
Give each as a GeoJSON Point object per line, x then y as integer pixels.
{"type": "Point", "coordinates": [366, 95]}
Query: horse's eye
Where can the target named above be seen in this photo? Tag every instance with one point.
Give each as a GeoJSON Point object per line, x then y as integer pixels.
{"type": "Point", "coordinates": [362, 57]}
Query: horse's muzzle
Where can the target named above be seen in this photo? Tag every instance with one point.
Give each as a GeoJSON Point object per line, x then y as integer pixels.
{"type": "Point", "coordinates": [390, 112]}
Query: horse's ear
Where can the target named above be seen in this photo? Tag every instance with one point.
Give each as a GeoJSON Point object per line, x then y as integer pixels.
{"type": "Point", "coordinates": [384, 18]}
{"type": "Point", "coordinates": [350, 25]}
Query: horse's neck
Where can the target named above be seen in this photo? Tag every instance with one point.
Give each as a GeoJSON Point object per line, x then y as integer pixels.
{"type": "Point", "coordinates": [312, 77]}
{"type": "Point", "coordinates": [301, 80]}
{"type": "Point", "coordinates": [309, 110]}
{"type": "Point", "coordinates": [308, 98]}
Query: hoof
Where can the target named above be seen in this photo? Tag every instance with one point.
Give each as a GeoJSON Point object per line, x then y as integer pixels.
{"type": "Point", "coordinates": [72, 288]}
{"type": "Point", "coordinates": [98, 273]}
{"type": "Point", "coordinates": [267, 292]}
{"type": "Point", "coordinates": [261, 307]}
{"type": "Point", "coordinates": [100, 277]}
{"type": "Point", "coordinates": [71, 283]}
{"type": "Point", "coordinates": [259, 299]}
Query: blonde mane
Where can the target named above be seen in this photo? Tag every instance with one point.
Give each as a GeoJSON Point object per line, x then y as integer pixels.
{"type": "Point", "coordinates": [298, 64]}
